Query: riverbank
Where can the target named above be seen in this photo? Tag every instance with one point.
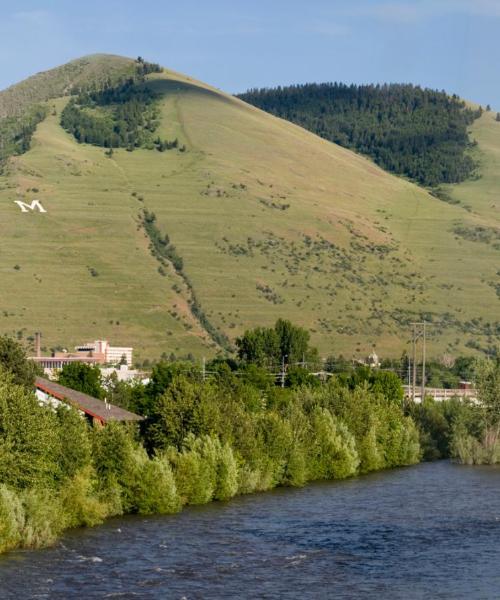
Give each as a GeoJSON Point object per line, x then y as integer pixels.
{"type": "Point", "coordinates": [59, 473]}
{"type": "Point", "coordinates": [427, 531]}
{"type": "Point", "coordinates": [202, 439]}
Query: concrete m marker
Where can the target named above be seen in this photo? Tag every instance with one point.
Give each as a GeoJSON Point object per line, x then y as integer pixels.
{"type": "Point", "coordinates": [35, 205]}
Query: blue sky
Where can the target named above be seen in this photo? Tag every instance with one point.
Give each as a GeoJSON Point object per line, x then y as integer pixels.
{"type": "Point", "coordinates": [235, 45]}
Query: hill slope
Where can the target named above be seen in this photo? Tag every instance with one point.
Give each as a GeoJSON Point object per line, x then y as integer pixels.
{"type": "Point", "coordinates": [269, 221]}
{"type": "Point", "coordinates": [407, 130]}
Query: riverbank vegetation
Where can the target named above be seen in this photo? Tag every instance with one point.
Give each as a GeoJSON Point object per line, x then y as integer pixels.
{"type": "Point", "coordinates": [465, 431]}
{"type": "Point", "coordinates": [209, 434]}
{"type": "Point", "coordinates": [232, 431]}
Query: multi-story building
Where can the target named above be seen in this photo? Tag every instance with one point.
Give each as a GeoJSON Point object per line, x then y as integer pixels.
{"type": "Point", "coordinates": [111, 354]}
{"type": "Point", "coordinates": [98, 352]}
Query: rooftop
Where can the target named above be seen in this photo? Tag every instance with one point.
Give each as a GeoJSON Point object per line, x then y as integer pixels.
{"type": "Point", "coordinates": [91, 406]}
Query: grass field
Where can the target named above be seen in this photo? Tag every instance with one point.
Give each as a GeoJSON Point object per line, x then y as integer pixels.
{"type": "Point", "coordinates": [270, 220]}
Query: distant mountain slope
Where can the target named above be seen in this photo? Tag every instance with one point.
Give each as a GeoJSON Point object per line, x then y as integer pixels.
{"type": "Point", "coordinates": [172, 251]}
{"type": "Point", "coordinates": [89, 70]}
{"type": "Point", "coordinates": [407, 130]}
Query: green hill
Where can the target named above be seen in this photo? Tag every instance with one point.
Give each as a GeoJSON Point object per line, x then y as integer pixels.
{"type": "Point", "coordinates": [246, 219]}
{"type": "Point", "coordinates": [407, 130]}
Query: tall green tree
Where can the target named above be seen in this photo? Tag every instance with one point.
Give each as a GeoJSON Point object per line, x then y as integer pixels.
{"type": "Point", "coordinates": [13, 359]}
{"type": "Point", "coordinates": [266, 346]}
{"type": "Point", "coordinates": [487, 381]}
{"type": "Point", "coordinates": [83, 378]}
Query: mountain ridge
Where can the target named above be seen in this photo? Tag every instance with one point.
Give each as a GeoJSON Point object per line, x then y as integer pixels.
{"type": "Point", "coordinates": [269, 220]}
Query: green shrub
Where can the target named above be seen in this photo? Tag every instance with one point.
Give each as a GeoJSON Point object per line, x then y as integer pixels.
{"type": "Point", "coordinates": [43, 522]}
{"type": "Point", "coordinates": [153, 489]}
{"type": "Point", "coordinates": [11, 519]}
{"type": "Point", "coordinates": [370, 456]}
{"type": "Point", "coordinates": [227, 474]}
{"type": "Point", "coordinates": [80, 501]}
{"type": "Point", "coordinates": [192, 483]}
{"type": "Point", "coordinates": [332, 453]}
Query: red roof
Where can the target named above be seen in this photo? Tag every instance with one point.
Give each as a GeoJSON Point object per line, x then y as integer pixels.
{"type": "Point", "coordinates": [91, 406]}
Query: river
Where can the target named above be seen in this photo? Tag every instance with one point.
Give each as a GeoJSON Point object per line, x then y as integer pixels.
{"type": "Point", "coordinates": [429, 531]}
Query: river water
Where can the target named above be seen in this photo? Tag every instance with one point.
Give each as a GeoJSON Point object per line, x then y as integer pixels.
{"type": "Point", "coordinates": [429, 531]}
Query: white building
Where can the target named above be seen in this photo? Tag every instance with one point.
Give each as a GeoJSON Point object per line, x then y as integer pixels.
{"type": "Point", "coordinates": [112, 354]}
{"type": "Point", "coordinates": [123, 373]}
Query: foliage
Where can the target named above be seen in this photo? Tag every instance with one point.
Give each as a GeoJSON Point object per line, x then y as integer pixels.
{"type": "Point", "coordinates": [386, 383]}
{"type": "Point", "coordinates": [204, 470]}
{"type": "Point", "coordinates": [204, 439]}
{"type": "Point", "coordinates": [269, 346]}
{"type": "Point", "coordinates": [435, 422]}
{"type": "Point", "coordinates": [160, 245]}
{"type": "Point", "coordinates": [487, 379]}
{"type": "Point", "coordinates": [11, 519]}
{"type": "Point", "coordinates": [333, 453]}
{"type": "Point", "coordinates": [81, 505]}
{"type": "Point", "coordinates": [408, 130]}
{"type": "Point", "coordinates": [83, 378]}
{"type": "Point", "coordinates": [13, 359]}
{"type": "Point", "coordinates": [476, 440]}
{"type": "Point", "coordinates": [122, 116]}
{"type": "Point", "coordinates": [165, 253]}
{"type": "Point", "coordinates": [28, 438]}
{"type": "Point", "coordinates": [16, 132]}
{"type": "Point", "coordinates": [144, 67]}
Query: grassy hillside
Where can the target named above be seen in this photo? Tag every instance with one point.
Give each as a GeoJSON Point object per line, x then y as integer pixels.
{"type": "Point", "coordinates": [58, 82]}
{"type": "Point", "coordinates": [269, 221]}
{"type": "Point", "coordinates": [407, 130]}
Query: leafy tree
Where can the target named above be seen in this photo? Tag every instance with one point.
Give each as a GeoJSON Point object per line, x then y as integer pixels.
{"type": "Point", "coordinates": [293, 341]}
{"type": "Point", "coordinates": [298, 377]}
{"type": "Point", "coordinates": [164, 373]}
{"type": "Point", "coordinates": [386, 383]}
{"type": "Point", "coordinates": [29, 443]}
{"type": "Point", "coordinates": [487, 379]}
{"type": "Point", "coordinates": [266, 346]}
{"type": "Point", "coordinates": [185, 407]}
{"type": "Point", "coordinates": [74, 447]}
{"type": "Point", "coordinates": [13, 359]}
{"type": "Point", "coordinates": [83, 378]}
{"type": "Point", "coordinates": [16, 132]}
{"type": "Point", "coordinates": [260, 346]}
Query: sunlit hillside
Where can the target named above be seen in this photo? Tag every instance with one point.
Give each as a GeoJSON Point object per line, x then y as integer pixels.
{"type": "Point", "coordinates": [269, 220]}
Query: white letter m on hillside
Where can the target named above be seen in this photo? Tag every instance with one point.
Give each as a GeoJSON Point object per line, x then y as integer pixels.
{"type": "Point", "coordinates": [27, 207]}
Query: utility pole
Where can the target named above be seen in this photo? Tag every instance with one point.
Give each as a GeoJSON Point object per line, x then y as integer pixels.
{"type": "Point", "coordinates": [423, 362]}
{"type": "Point", "coordinates": [203, 369]}
{"type": "Point", "coordinates": [283, 371]}
{"type": "Point", "coordinates": [414, 360]}
{"type": "Point", "coordinates": [418, 332]}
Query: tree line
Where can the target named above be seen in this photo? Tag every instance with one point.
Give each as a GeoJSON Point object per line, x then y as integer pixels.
{"type": "Point", "coordinates": [415, 132]}
{"type": "Point", "coordinates": [210, 434]}
{"type": "Point", "coordinates": [122, 116]}
{"type": "Point", "coordinates": [118, 115]}
{"type": "Point", "coordinates": [16, 132]}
